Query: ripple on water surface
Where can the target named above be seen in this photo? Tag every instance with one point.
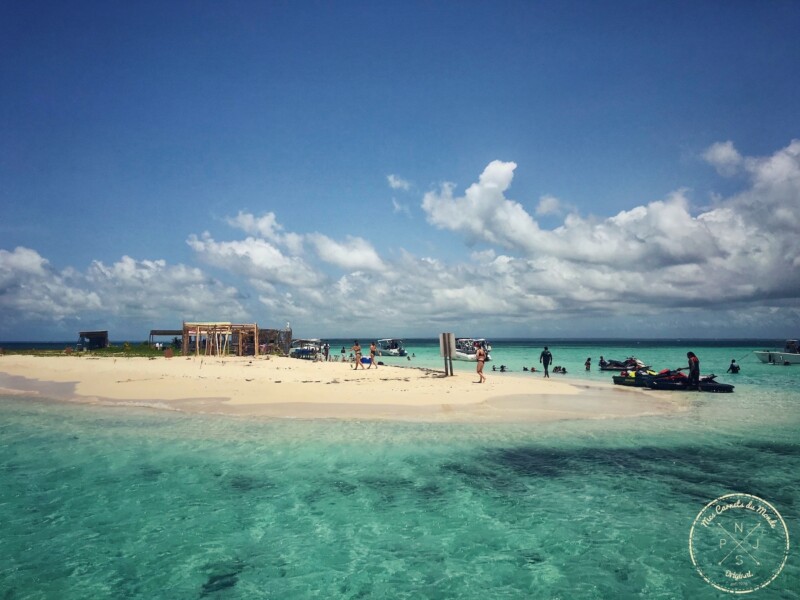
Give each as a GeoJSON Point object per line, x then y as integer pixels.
{"type": "Point", "coordinates": [99, 502]}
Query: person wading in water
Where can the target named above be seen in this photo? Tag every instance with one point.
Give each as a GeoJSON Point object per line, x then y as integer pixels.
{"type": "Point", "coordinates": [546, 358]}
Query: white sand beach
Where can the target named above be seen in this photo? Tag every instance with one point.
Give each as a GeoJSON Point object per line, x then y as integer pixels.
{"type": "Point", "coordinates": [291, 388]}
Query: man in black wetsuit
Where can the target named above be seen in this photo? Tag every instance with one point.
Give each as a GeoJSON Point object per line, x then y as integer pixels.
{"type": "Point", "coordinates": [546, 358]}
{"type": "Point", "coordinates": [694, 369]}
{"type": "Point", "coordinates": [733, 368]}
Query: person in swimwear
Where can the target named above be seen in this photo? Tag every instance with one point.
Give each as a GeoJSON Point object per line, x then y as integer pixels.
{"type": "Point", "coordinates": [357, 350]}
{"type": "Point", "coordinates": [373, 350]}
{"type": "Point", "coordinates": [480, 357]}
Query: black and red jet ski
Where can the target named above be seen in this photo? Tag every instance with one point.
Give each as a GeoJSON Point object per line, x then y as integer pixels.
{"type": "Point", "coordinates": [629, 364]}
{"type": "Point", "coordinates": [677, 381]}
{"type": "Point", "coordinates": [640, 377]}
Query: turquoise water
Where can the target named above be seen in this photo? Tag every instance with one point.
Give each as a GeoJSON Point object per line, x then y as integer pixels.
{"type": "Point", "coordinates": [99, 502]}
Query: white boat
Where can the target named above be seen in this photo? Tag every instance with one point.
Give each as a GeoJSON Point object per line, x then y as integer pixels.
{"type": "Point", "coordinates": [466, 348]}
{"type": "Point", "coordinates": [790, 355]}
{"type": "Point", "coordinates": [390, 347]}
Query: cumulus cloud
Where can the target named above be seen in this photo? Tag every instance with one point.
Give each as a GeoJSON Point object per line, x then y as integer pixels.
{"type": "Point", "coordinates": [483, 213]}
{"type": "Point", "coordinates": [254, 258]}
{"type": "Point", "coordinates": [397, 183]}
{"type": "Point", "coordinates": [737, 262]}
{"type": "Point", "coordinates": [267, 227]}
{"type": "Point", "coordinates": [354, 253]}
{"type": "Point", "coordinates": [724, 157]}
{"type": "Point", "coordinates": [31, 289]}
{"type": "Point", "coordinates": [548, 205]}
{"type": "Point", "coordinates": [656, 254]}
{"type": "Point", "coordinates": [149, 288]}
{"type": "Point", "coordinates": [125, 290]}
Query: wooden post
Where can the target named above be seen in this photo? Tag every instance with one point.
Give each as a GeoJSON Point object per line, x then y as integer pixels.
{"type": "Point", "coordinates": [446, 350]}
{"type": "Point", "coordinates": [450, 345]}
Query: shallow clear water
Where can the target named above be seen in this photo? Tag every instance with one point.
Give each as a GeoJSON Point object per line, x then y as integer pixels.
{"type": "Point", "coordinates": [100, 502]}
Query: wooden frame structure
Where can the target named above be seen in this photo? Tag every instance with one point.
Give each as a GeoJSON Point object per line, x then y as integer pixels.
{"type": "Point", "coordinates": [173, 333]}
{"type": "Point", "coordinates": [219, 338]}
{"type": "Point", "coordinates": [93, 340]}
{"type": "Point", "coordinates": [275, 341]}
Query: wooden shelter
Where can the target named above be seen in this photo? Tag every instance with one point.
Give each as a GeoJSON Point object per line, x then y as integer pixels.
{"type": "Point", "coordinates": [92, 340]}
{"type": "Point", "coordinates": [275, 341]}
{"type": "Point", "coordinates": [219, 338]}
{"type": "Point", "coordinates": [173, 333]}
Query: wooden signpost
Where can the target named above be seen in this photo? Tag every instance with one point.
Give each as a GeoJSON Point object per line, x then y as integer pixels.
{"type": "Point", "coordinates": [447, 344]}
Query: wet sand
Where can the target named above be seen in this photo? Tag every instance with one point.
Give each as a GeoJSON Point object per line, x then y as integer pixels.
{"type": "Point", "coordinates": [290, 388]}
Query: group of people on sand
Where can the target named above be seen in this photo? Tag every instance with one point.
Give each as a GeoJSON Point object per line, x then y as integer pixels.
{"type": "Point", "coordinates": [373, 350]}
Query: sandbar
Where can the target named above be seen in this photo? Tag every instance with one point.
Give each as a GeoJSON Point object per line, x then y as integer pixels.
{"type": "Point", "coordinates": [279, 387]}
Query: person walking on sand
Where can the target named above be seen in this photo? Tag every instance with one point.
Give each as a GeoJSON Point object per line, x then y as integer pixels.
{"type": "Point", "coordinates": [373, 350]}
{"type": "Point", "coordinates": [357, 351]}
{"type": "Point", "coordinates": [546, 358]}
{"type": "Point", "coordinates": [480, 359]}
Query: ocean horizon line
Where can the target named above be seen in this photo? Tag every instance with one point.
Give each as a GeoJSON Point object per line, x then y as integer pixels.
{"type": "Point", "coordinates": [492, 339]}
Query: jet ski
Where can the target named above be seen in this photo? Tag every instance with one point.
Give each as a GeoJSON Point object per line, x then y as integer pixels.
{"type": "Point", "coordinates": [677, 381]}
{"type": "Point", "coordinates": [630, 363]}
{"type": "Point", "coordinates": [639, 378]}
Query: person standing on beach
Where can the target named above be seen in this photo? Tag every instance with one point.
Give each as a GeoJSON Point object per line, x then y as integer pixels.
{"type": "Point", "coordinates": [546, 358]}
{"type": "Point", "coordinates": [373, 350]}
{"type": "Point", "coordinates": [343, 353]}
{"type": "Point", "coordinates": [480, 359]}
{"type": "Point", "coordinates": [694, 369]}
{"type": "Point", "coordinates": [357, 351]}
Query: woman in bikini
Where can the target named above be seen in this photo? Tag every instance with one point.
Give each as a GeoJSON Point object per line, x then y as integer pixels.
{"type": "Point", "coordinates": [480, 356]}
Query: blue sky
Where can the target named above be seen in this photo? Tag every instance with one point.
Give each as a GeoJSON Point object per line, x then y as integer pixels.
{"type": "Point", "coordinates": [523, 169]}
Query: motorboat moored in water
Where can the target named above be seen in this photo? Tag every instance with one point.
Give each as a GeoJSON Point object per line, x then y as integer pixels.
{"type": "Point", "coordinates": [790, 355]}
{"type": "Point", "coordinates": [390, 347]}
{"type": "Point", "coordinates": [466, 349]}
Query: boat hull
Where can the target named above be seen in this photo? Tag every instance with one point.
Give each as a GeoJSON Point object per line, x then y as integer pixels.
{"type": "Point", "coordinates": [392, 352]}
{"type": "Point", "coordinates": [391, 347]}
{"type": "Point", "coordinates": [777, 357]}
{"type": "Point", "coordinates": [468, 357]}
{"type": "Point", "coordinates": [680, 386]}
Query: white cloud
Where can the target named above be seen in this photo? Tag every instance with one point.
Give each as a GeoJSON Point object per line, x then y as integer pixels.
{"type": "Point", "coordinates": [22, 260]}
{"type": "Point", "coordinates": [354, 254]}
{"type": "Point", "coordinates": [635, 269]}
{"type": "Point", "coordinates": [657, 254]}
{"type": "Point", "coordinates": [128, 290]}
{"type": "Point", "coordinates": [548, 205]}
{"type": "Point", "coordinates": [724, 157]}
{"type": "Point", "coordinates": [400, 208]}
{"type": "Point", "coordinates": [396, 183]}
{"type": "Point", "coordinates": [150, 288]}
{"type": "Point", "coordinates": [483, 213]}
{"type": "Point", "coordinates": [267, 227]}
{"type": "Point", "coordinates": [255, 258]}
